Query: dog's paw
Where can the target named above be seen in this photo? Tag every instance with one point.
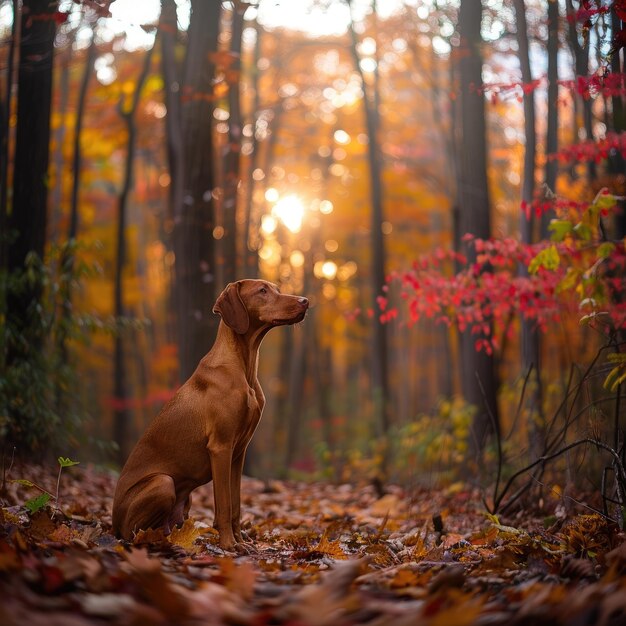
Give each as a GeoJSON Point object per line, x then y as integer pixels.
{"type": "Point", "coordinates": [245, 547]}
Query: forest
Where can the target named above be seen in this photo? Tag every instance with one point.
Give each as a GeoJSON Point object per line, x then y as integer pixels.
{"type": "Point", "coordinates": [443, 436]}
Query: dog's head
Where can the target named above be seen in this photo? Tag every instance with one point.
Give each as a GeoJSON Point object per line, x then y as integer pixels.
{"type": "Point", "coordinates": [258, 303]}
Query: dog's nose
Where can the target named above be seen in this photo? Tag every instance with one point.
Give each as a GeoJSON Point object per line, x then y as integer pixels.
{"type": "Point", "coordinates": [303, 301]}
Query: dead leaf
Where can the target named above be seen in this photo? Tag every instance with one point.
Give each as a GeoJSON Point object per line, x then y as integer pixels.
{"type": "Point", "coordinates": [389, 505]}
{"type": "Point", "coordinates": [185, 536]}
{"type": "Point", "coordinates": [149, 536]}
{"type": "Point", "coordinates": [240, 578]}
{"type": "Point", "coordinates": [155, 585]}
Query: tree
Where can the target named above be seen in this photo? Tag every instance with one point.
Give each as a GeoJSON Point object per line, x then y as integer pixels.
{"type": "Point", "coordinates": [529, 337]}
{"type": "Point", "coordinates": [232, 160]}
{"type": "Point", "coordinates": [24, 326]}
{"type": "Point", "coordinates": [28, 215]}
{"type": "Point", "coordinates": [168, 30]}
{"type": "Point", "coordinates": [552, 130]}
{"type": "Point", "coordinates": [5, 116]}
{"type": "Point", "coordinates": [379, 356]}
{"type": "Point", "coordinates": [581, 68]}
{"type": "Point", "coordinates": [479, 379]}
{"type": "Point", "coordinates": [194, 218]}
{"type": "Point", "coordinates": [128, 111]}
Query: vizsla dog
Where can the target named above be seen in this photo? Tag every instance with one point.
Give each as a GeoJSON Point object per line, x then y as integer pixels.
{"type": "Point", "coordinates": [202, 433]}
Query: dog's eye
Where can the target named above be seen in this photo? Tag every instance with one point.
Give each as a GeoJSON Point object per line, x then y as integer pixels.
{"type": "Point", "coordinates": [263, 290]}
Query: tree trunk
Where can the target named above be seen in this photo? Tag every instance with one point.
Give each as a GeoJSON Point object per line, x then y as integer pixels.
{"type": "Point", "coordinates": [194, 245]}
{"type": "Point", "coordinates": [617, 163]}
{"type": "Point", "coordinates": [168, 30]}
{"type": "Point", "coordinates": [30, 178]}
{"type": "Point", "coordinates": [5, 131]}
{"type": "Point", "coordinates": [67, 257]}
{"type": "Point", "coordinates": [121, 418]}
{"type": "Point", "coordinates": [552, 132]}
{"type": "Point", "coordinates": [232, 162]}
{"type": "Point", "coordinates": [529, 334]}
{"type": "Point", "coordinates": [380, 367]}
{"type": "Point", "coordinates": [26, 222]}
{"type": "Point", "coordinates": [55, 215]}
{"type": "Point", "coordinates": [479, 379]}
{"type": "Point", "coordinates": [251, 262]}
{"type": "Point", "coordinates": [581, 66]}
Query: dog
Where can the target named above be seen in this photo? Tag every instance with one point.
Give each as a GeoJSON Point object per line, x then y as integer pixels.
{"type": "Point", "coordinates": [203, 432]}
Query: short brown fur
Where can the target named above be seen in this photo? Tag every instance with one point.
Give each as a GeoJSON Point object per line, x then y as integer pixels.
{"type": "Point", "coordinates": [202, 434]}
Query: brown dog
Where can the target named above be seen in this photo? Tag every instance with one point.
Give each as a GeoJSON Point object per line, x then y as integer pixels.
{"type": "Point", "coordinates": [203, 432]}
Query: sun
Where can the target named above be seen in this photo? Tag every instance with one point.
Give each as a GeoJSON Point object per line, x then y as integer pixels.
{"type": "Point", "coordinates": [290, 211]}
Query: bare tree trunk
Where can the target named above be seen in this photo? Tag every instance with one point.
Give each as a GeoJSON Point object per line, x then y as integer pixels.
{"type": "Point", "coordinates": [617, 163]}
{"type": "Point", "coordinates": [232, 164]}
{"type": "Point", "coordinates": [35, 76]}
{"type": "Point", "coordinates": [27, 221]}
{"type": "Point", "coordinates": [194, 219]}
{"type": "Point", "coordinates": [530, 334]}
{"type": "Point", "coordinates": [168, 30]}
{"type": "Point", "coordinates": [479, 378]}
{"type": "Point", "coordinates": [581, 65]}
{"type": "Point", "coordinates": [294, 396]}
{"type": "Point", "coordinates": [172, 79]}
{"type": "Point", "coordinates": [380, 366]}
{"type": "Point", "coordinates": [121, 418]}
{"type": "Point", "coordinates": [64, 60]}
{"type": "Point", "coordinates": [552, 132]}
{"type": "Point", "coordinates": [67, 258]}
{"type": "Point", "coordinates": [251, 263]}
{"type": "Point", "coordinates": [5, 131]}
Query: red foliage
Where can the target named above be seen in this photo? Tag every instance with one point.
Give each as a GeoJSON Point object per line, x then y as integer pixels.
{"type": "Point", "coordinates": [485, 296]}
{"type": "Point", "coordinates": [596, 151]}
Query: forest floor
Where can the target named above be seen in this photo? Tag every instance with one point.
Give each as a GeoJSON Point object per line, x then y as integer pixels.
{"type": "Point", "coordinates": [324, 555]}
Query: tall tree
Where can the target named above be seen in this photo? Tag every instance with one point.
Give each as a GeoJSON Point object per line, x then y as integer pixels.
{"type": "Point", "coordinates": [380, 366]}
{"type": "Point", "coordinates": [194, 218]}
{"type": "Point", "coordinates": [617, 163]}
{"type": "Point", "coordinates": [478, 373]}
{"type": "Point", "coordinates": [5, 117]}
{"type": "Point", "coordinates": [168, 31]}
{"type": "Point", "coordinates": [251, 261]}
{"type": "Point", "coordinates": [530, 333]}
{"type": "Point", "coordinates": [581, 67]}
{"type": "Point", "coordinates": [552, 131]}
{"type": "Point", "coordinates": [232, 161]}
{"type": "Point", "coordinates": [121, 420]}
{"type": "Point", "coordinates": [28, 216]}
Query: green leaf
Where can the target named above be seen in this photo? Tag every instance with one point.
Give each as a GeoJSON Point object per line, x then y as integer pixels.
{"type": "Point", "coordinates": [23, 481]}
{"type": "Point", "coordinates": [583, 231]}
{"type": "Point", "coordinates": [605, 249]}
{"type": "Point", "coordinates": [560, 229]}
{"type": "Point", "coordinates": [618, 374]}
{"type": "Point", "coordinates": [67, 462]}
{"type": "Point", "coordinates": [548, 258]}
{"type": "Point", "coordinates": [570, 280]}
{"type": "Point", "coordinates": [604, 201]}
{"type": "Point", "coordinates": [36, 504]}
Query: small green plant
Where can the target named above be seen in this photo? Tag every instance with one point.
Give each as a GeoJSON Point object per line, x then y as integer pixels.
{"type": "Point", "coordinates": [40, 501]}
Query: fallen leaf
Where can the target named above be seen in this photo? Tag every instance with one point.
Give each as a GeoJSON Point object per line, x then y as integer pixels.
{"type": "Point", "coordinates": [185, 536]}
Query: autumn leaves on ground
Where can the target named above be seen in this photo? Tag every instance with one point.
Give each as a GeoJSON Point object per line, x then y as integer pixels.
{"type": "Point", "coordinates": [320, 554]}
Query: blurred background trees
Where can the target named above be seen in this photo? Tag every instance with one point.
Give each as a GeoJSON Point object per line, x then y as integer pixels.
{"type": "Point", "coordinates": [322, 145]}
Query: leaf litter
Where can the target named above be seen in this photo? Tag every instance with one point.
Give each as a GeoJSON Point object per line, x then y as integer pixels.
{"type": "Point", "coordinates": [316, 554]}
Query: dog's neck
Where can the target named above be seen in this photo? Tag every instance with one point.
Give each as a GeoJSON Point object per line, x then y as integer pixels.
{"type": "Point", "coordinates": [244, 348]}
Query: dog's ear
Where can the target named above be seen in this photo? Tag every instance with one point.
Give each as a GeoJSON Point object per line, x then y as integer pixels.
{"type": "Point", "coordinates": [232, 309]}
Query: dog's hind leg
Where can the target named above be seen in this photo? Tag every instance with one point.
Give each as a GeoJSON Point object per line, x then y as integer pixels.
{"type": "Point", "coordinates": [151, 507]}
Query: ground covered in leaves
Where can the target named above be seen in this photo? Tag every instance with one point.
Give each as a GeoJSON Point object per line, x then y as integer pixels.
{"type": "Point", "coordinates": [320, 555]}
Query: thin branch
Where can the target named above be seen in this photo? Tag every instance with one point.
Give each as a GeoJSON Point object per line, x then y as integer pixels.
{"type": "Point", "coordinates": [544, 459]}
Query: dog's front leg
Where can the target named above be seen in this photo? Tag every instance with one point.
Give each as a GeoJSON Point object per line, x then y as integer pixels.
{"type": "Point", "coordinates": [221, 460]}
{"type": "Point", "coordinates": [235, 495]}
